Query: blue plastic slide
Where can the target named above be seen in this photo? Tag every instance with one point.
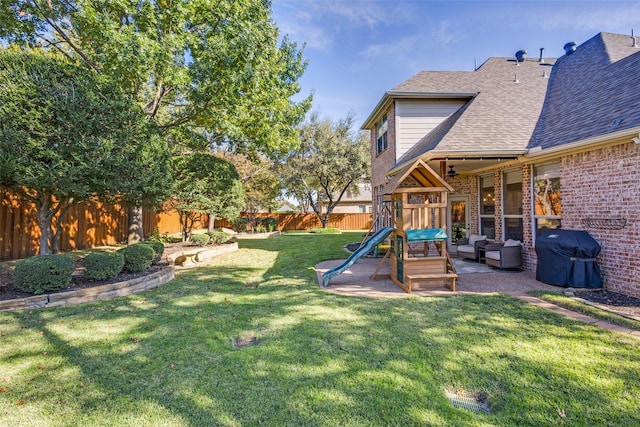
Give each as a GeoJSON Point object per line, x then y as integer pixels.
{"type": "Point", "coordinates": [368, 246]}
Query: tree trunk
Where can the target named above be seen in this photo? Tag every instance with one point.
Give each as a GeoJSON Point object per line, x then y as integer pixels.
{"type": "Point", "coordinates": [55, 235]}
{"type": "Point", "coordinates": [135, 231]}
{"type": "Point", "coordinates": [212, 223]}
{"type": "Point", "coordinates": [44, 222]}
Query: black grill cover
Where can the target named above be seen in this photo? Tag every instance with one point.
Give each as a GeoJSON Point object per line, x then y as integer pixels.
{"type": "Point", "coordinates": [568, 258]}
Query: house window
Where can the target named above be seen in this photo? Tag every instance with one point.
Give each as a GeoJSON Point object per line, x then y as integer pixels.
{"type": "Point", "coordinates": [487, 207]}
{"type": "Point", "coordinates": [362, 208]}
{"type": "Point", "coordinates": [547, 206]}
{"type": "Point", "coordinates": [512, 205]}
{"type": "Point", "coordinates": [381, 135]}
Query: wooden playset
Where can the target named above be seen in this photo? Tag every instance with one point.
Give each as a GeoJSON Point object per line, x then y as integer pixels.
{"type": "Point", "coordinates": [417, 199]}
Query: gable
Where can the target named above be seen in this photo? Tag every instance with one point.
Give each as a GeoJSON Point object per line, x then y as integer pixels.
{"type": "Point", "coordinates": [416, 175]}
{"type": "Point", "coordinates": [416, 118]}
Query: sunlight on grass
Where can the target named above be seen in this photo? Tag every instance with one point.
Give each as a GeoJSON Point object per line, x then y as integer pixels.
{"type": "Point", "coordinates": [166, 357]}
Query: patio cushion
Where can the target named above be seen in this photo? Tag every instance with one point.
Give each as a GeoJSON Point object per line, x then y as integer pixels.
{"type": "Point", "coordinates": [511, 242]}
{"type": "Point", "coordinates": [495, 255]}
{"type": "Point", "coordinates": [474, 238]}
{"type": "Point", "coordinates": [466, 248]}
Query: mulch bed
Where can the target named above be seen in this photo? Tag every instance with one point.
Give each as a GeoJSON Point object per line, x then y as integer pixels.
{"type": "Point", "coordinates": [613, 300]}
{"type": "Point", "coordinates": [8, 290]}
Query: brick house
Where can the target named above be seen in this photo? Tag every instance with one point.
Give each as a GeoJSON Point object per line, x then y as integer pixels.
{"type": "Point", "coordinates": [528, 144]}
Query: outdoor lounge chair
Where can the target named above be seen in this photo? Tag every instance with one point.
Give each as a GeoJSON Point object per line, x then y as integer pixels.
{"type": "Point", "coordinates": [468, 248]}
{"type": "Point", "coordinates": [504, 255]}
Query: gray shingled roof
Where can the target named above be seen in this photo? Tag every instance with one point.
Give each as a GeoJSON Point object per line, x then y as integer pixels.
{"type": "Point", "coordinates": [592, 92]}
{"type": "Point", "coordinates": [501, 117]}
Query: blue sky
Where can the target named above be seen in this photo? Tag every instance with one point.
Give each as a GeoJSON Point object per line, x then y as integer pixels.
{"type": "Point", "coordinates": [358, 49]}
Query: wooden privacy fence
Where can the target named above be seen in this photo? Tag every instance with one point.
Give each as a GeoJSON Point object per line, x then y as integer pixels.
{"type": "Point", "coordinates": [307, 221]}
{"type": "Point", "coordinates": [98, 224]}
{"type": "Point", "coordinates": [84, 226]}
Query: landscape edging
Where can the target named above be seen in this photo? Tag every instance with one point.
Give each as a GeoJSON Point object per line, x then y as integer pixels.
{"type": "Point", "coordinates": [96, 293]}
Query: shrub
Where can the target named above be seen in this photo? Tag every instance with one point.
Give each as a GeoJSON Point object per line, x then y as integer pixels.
{"type": "Point", "coordinates": [103, 265]}
{"type": "Point", "coordinates": [158, 249]}
{"type": "Point", "coordinates": [43, 273]}
{"type": "Point", "coordinates": [327, 230]}
{"type": "Point", "coordinates": [218, 237]}
{"type": "Point", "coordinates": [239, 225]}
{"type": "Point", "coordinates": [200, 239]}
{"type": "Point", "coordinates": [271, 224]}
{"type": "Point", "coordinates": [137, 257]}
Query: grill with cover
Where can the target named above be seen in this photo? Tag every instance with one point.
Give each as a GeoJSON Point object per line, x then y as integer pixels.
{"type": "Point", "coordinates": [568, 258]}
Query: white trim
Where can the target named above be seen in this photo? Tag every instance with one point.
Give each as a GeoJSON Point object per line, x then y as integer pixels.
{"type": "Point", "coordinates": [390, 96]}
{"type": "Point", "coordinates": [538, 153]}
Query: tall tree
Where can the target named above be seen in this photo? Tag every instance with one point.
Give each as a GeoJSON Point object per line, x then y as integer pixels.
{"type": "Point", "coordinates": [212, 65]}
{"type": "Point", "coordinates": [205, 184]}
{"type": "Point", "coordinates": [331, 162]}
{"type": "Point", "coordinates": [68, 135]}
{"type": "Point", "coordinates": [260, 182]}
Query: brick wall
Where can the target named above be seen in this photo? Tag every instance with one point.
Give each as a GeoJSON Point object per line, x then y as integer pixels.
{"type": "Point", "coordinates": [529, 257]}
{"type": "Point", "coordinates": [497, 191]}
{"type": "Point", "coordinates": [385, 161]}
{"type": "Point", "coordinates": [603, 183]}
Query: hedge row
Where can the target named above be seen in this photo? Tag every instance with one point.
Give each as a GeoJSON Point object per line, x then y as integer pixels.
{"type": "Point", "coordinates": [46, 273]}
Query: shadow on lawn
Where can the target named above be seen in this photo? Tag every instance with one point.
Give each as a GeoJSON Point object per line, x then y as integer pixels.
{"type": "Point", "coordinates": [323, 359]}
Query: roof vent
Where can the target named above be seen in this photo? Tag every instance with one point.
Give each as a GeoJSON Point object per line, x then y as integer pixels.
{"type": "Point", "coordinates": [541, 59]}
{"type": "Point", "coordinates": [633, 40]}
{"type": "Point", "coordinates": [521, 55]}
{"type": "Point", "coordinates": [570, 47]}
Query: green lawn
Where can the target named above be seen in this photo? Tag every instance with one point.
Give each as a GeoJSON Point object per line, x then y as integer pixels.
{"type": "Point", "coordinates": [166, 358]}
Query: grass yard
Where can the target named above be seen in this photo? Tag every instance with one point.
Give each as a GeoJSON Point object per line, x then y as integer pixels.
{"type": "Point", "coordinates": [167, 357]}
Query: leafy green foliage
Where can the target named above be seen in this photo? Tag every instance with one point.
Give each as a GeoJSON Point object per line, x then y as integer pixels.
{"type": "Point", "coordinates": [271, 224]}
{"type": "Point", "coordinates": [137, 257]}
{"type": "Point", "coordinates": [200, 239]}
{"type": "Point", "coordinates": [44, 273]}
{"type": "Point", "coordinates": [213, 65]}
{"type": "Point", "coordinates": [260, 182]}
{"type": "Point", "coordinates": [205, 184]}
{"type": "Point", "coordinates": [218, 237]}
{"type": "Point", "coordinates": [68, 135]}
{"type": "Point", "coordinates": [103, 265]}
{"type": "Point", "coordinates": [240, 224]}
{"type": "Point", "coordinates": [158, 249]}
{"type": "Point", "coordinates": [330, 163]}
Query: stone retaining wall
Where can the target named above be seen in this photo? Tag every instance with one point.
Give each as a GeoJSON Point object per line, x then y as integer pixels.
{"type": "Point", "coordinates": [96, 293]}
{"type": "Point", "coordinates": [193, 257]}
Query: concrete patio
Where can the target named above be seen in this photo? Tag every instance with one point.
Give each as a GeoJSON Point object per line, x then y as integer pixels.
{"type": "Point", "coordinates": [473, 277]}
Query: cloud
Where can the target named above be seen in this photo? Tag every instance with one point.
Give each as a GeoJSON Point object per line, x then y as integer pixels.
{"type": "Point", "coordinates": [360, 13]}
{"type": "Point", "coordinates": [610, 16]}
{"type": "Point", "coordinates": [301, 25]}
{"type": "Point", "coordinates": [409, 50]}
{"type": "Point", "coordinates": [320, 23]}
